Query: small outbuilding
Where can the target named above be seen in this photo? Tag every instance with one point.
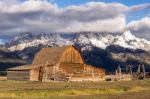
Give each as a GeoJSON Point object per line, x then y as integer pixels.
{"type": "Point", "coordinates": [57, 64]}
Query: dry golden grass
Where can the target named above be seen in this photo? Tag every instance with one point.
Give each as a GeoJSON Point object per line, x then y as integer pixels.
{"type": "Point", "coordinates": [87, 90]}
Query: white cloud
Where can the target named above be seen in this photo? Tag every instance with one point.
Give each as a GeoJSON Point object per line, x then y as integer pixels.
{"type": "Point", "coordinates": [113, 25]}
{"type": "Point", "coordinates": [2, 41]}
{"type": "Point", "coordinates": [140, 7]}
{"type": "Point", "coordinates": [140, 27]}
{"type": "Point", "coordinates": [27, 6]}
{"type": "Point", "coordinates": [42, 16]}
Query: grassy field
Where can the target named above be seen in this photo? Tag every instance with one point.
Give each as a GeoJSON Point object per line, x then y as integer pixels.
{"type": "Point", "coordinates": [78, 90]}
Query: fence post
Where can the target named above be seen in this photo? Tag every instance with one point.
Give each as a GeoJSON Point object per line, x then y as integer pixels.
{"type": "Point", "coordinates": [116, 74]}
{"type": "Point", "coordinates": [131, 73]}
{"type": "Point", "coordinates": [143, 70]}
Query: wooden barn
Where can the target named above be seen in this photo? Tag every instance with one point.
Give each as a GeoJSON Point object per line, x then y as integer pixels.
{"type": "Point", "coordinates": [57, 64]}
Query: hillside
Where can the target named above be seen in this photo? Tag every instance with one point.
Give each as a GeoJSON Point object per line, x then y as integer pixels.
{"type": "Point", "coordinates": [9, 59]}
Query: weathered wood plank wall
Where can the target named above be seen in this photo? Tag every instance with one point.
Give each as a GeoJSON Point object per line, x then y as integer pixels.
{"type": "Point", "coordinates": [34, 74]}
{"type": "Point", "coordinates": [71, 56]}
{"type": "Point", "coordinates": [18, 75]}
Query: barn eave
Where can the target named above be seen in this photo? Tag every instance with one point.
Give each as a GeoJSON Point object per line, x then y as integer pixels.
{"type": "Point", "coordinates": [26, 67]}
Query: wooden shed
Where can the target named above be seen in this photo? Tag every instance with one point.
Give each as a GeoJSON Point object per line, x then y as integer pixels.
{"type": "Point", "coordinates": [57, 64]}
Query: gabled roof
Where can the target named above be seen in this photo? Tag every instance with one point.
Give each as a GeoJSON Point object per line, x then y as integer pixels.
{"type": "Point", "coordinates": [49, 55]}
{"type": "Point", "coordinates": [46, 56]}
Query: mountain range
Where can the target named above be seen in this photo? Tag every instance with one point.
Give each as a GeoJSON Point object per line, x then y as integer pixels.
{"type": "Point", "coordinates": [99, 49]}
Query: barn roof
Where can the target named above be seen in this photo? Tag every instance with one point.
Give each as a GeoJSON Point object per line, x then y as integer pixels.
{"type": "Point", "coordinates": [46, 56]}
{"type": "Point", "coordinates": [26, 67]}
{"type": "Point", "coordinates": [49, 55]}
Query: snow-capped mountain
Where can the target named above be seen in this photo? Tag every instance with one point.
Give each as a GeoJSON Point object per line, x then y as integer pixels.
{"type": "Point", "coordinates": [126, 40]}
{"type": "Point", "coordinates": [98, 49]}
{"type": "Point", "coordinates": [26, 40]}
{"type": "Point", "coordinates": [100, 40]}
{"type": "Point", "coordinates": [84, 40]}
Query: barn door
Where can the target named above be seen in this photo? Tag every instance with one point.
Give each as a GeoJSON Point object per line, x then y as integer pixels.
{"type": "Point", "coordinates": [41, 72]}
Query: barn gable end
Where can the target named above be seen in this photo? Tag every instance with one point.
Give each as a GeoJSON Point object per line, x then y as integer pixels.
{"type": "Point", "coordinates": [71, 55]}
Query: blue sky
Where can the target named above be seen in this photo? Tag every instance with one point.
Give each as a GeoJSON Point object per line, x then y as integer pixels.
{"type": "Point", "coordinates": [67, 16]}
{"type": "Point", "coordinates": [63, 3]}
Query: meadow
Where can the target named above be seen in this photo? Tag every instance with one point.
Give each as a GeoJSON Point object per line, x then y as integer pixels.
{"type": "Point", "coordinates": [138, 89]}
